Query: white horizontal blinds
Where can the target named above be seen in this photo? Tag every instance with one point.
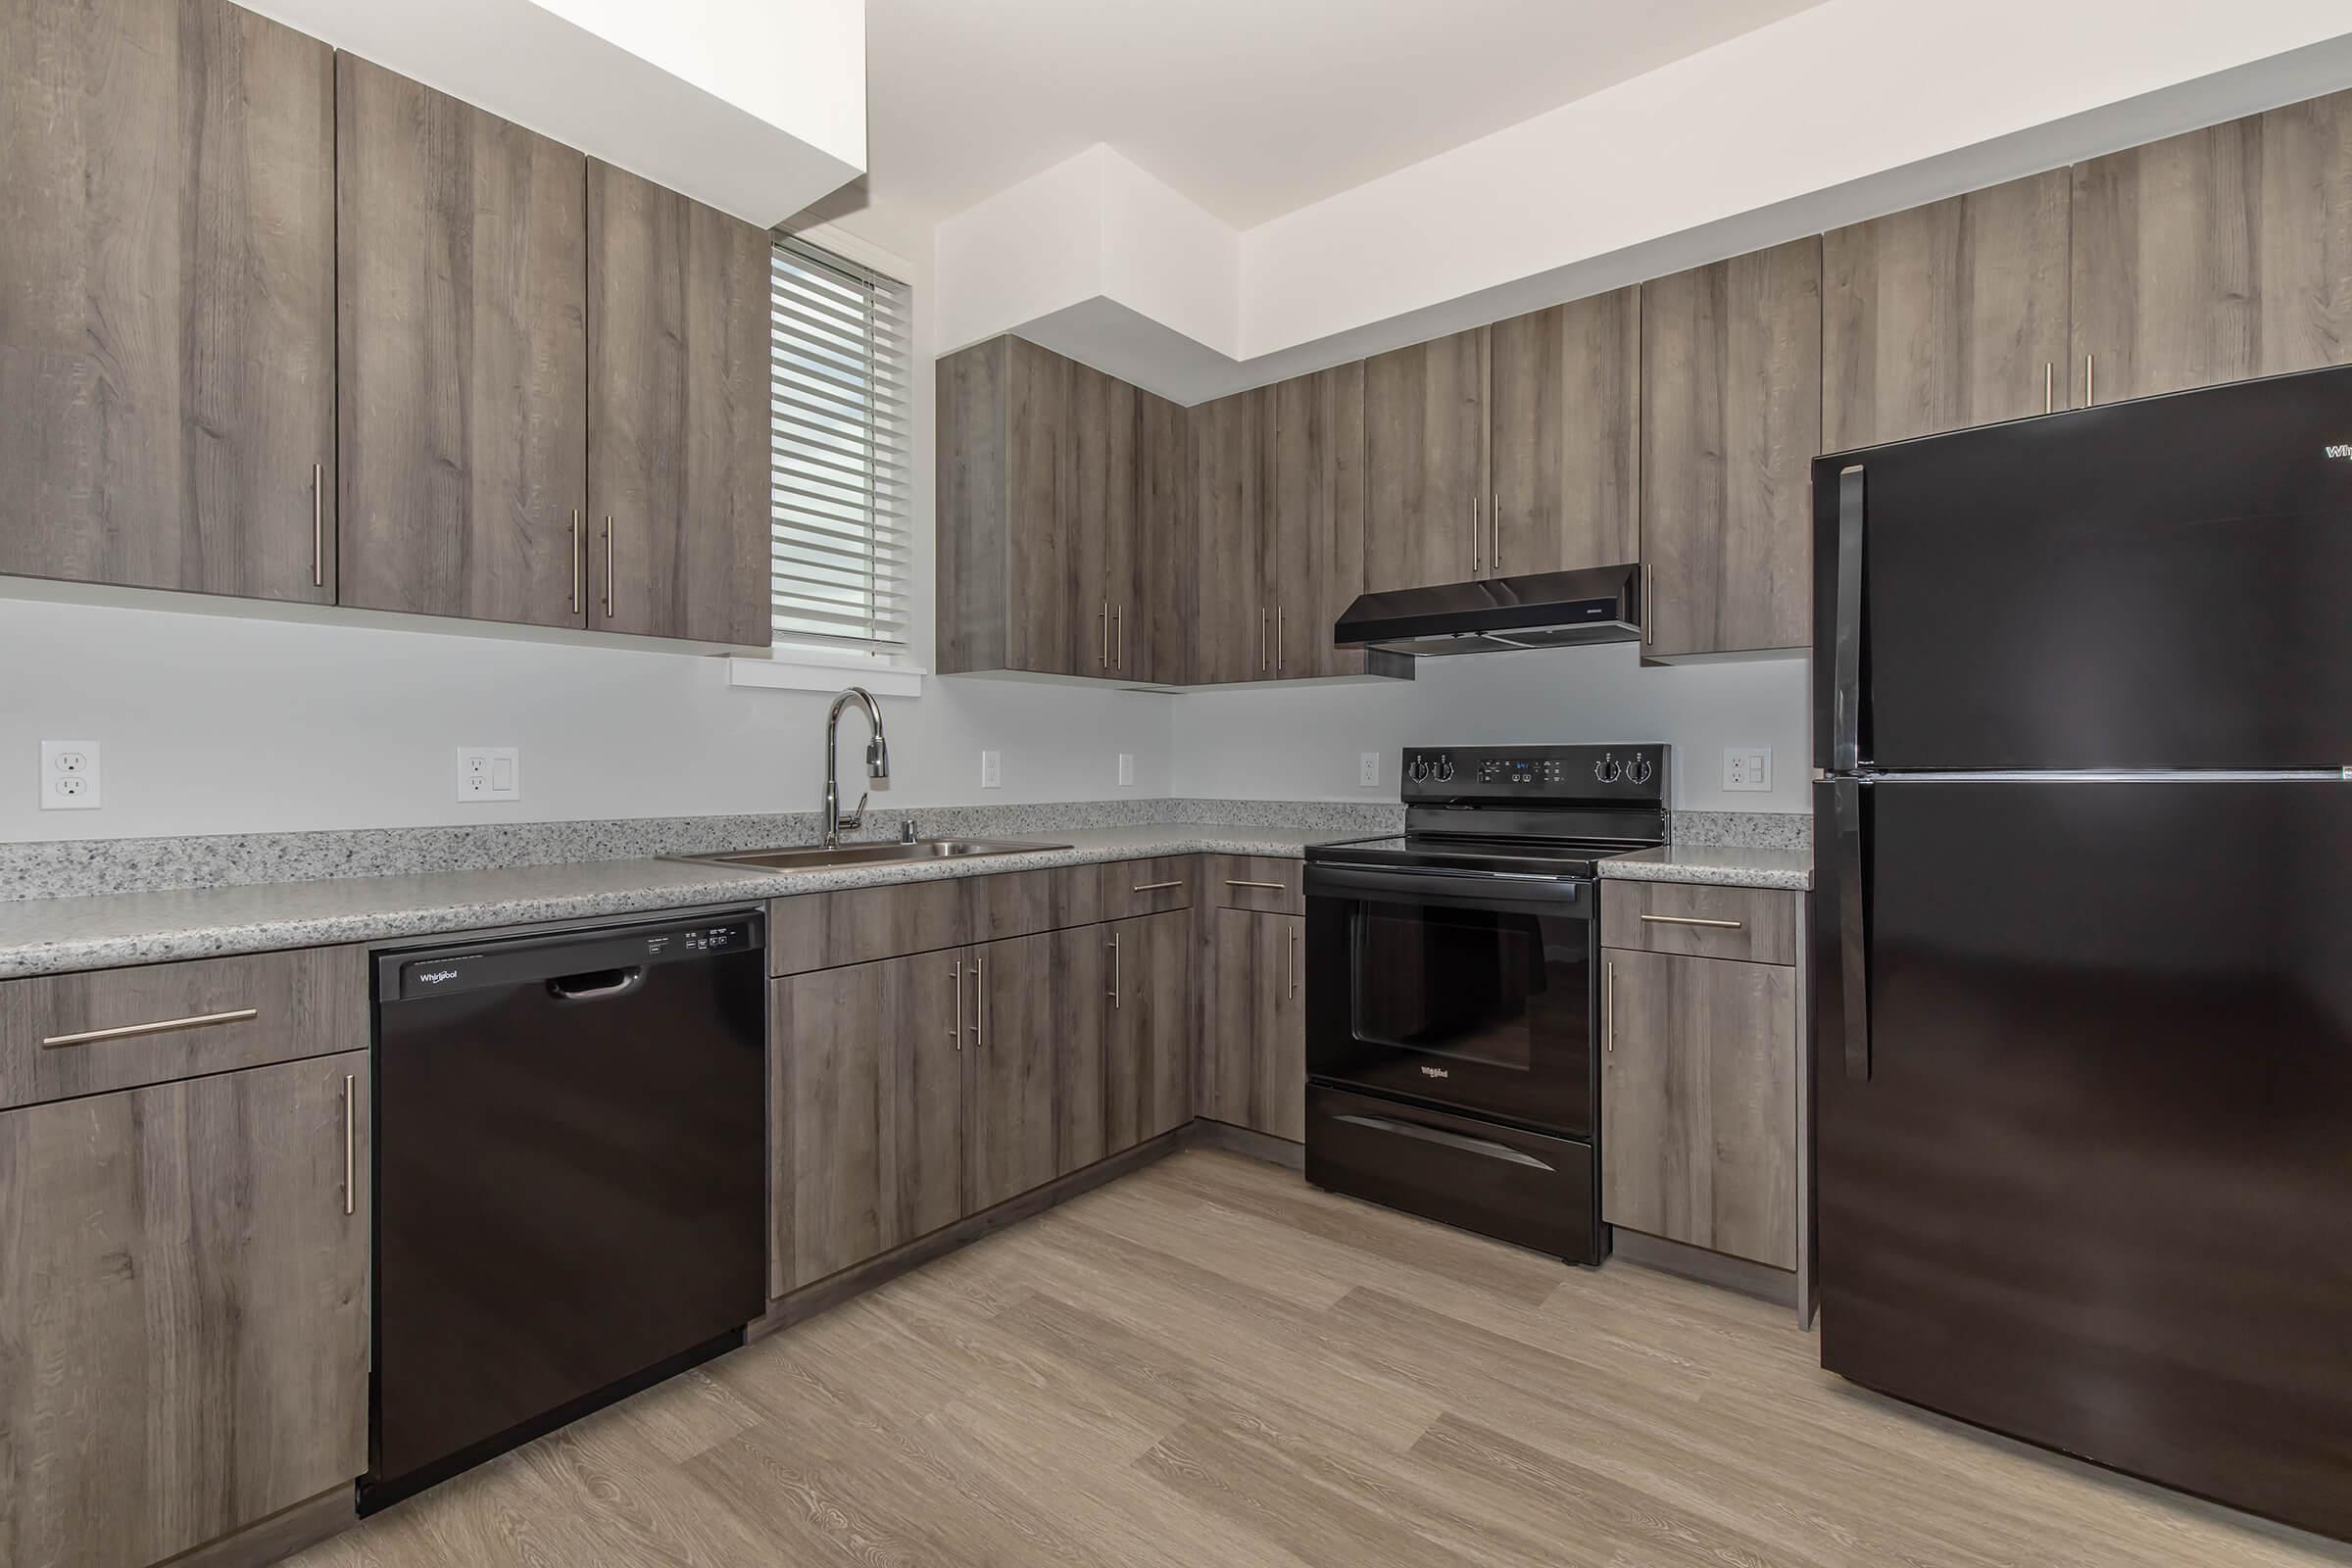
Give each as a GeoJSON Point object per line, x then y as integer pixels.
{"type": "Point", "coordinates": [839, 477]}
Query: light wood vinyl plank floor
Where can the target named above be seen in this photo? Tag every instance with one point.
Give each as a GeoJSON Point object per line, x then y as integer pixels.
{"type": "Point", "coordinates": [1209, 1362]}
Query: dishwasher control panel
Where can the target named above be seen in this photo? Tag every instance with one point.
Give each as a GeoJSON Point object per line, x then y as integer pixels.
{"type": "Point", "coordinates": [525, 958]}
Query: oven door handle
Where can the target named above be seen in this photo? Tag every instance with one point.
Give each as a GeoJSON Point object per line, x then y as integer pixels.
{"type": "Point", "coordinates": [1472, 890]}
{"type": "Point", "coordinates": [1487, 1148]}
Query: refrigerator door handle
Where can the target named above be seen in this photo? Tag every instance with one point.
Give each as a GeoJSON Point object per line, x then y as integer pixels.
{"type": "Point", "coordinates": [1853, 939]}
{"type": "Point", "coordinates": [1845, 710]}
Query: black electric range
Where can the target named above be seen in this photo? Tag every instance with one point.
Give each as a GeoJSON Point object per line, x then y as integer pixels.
{"type": "Point", "coordinates": [1451, 1005]}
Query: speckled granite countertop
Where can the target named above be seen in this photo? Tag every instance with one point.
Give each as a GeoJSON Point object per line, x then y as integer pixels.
{"type": "Point", "coordinates": [1723, 864]}
{"type": "Point", "coordinates": [49, 936]}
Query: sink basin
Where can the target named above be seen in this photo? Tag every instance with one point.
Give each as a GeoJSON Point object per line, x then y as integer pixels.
{"type": "Point", "coordinates": [815, 857]}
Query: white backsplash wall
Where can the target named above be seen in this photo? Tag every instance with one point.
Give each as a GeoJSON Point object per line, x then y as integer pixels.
{"type": "Point", "coordinates": [1302, 743]}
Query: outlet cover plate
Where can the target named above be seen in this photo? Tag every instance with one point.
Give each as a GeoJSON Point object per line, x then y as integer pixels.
{"type": "Point", "coordinates": [489, 773]}
{"type": "Point", "coordinates": [1367, 767]}
{"type": "Point", "coordinates": [1747, 767]}
{"type": "Point", "coordinates": [1127, 768]}
{"type": "Point", "coordinates": [70, 776]}
{"type": "Point", "coordinates": [992, 769]}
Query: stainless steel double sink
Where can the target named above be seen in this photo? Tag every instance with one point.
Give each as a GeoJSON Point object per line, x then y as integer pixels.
{"type": "Point", "coordinates": [816, 857]}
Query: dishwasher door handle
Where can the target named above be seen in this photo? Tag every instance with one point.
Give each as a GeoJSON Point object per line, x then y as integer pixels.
{"type": "Point", "coordinates": [596, 985]}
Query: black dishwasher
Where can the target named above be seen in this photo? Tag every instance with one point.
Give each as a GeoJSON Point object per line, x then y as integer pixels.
{"type": "Point", "coordinates": [571, 1178]}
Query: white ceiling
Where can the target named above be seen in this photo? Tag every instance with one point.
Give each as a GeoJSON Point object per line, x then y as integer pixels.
{"type": "Point", "coordinates": [1251, 108]}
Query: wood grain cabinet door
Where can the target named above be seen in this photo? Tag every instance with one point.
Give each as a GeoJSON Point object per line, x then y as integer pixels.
{"type": "Point", "coordinates": [1424, 463]}
{"type": "Point", "coordinates": [1233, 448]}
{"type": "Point", "coordinates": [1253, 1049]}
{"type": "Point", "coordinates": [1318, 518]}
{"type": "Point", "coordinates": [1949, 314]}
{"type": "Point", "coordinates": [1043, 603]}
{"type": "Point", "coordinates": [1698, 1102]}
{"type": "Point", "coordinates": [1033, 1062]}
{"type": "Point", "coordinates": [166, 299]}
{"type": "Point", "coordinates": [461, 308]}
{"type": "Point", "coordinates": [1564, 407]}
{"type": "Point", "coordinates": [1094, 519]}
{"type": "Point", "coordinates": [184, 1311]}
{"type": "Point", "coordinates": [2214, 256]}
{"type": "Point", "coordinates": [1154, 572]}
{"type": "Point", "coordinates": [1730, 423]}
{"type": "Point", "coordinates": [1148, 1046]}
{"type": "Point", "coordinates": [865, 1119]}
{"type": "Point", "coordinates": [679, 415]}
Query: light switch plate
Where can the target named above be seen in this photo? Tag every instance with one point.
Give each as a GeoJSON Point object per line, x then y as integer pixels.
{"type": "Point", "coordinates": [1367, 769]}
{"type": "Point", "coordinates": [70, 776]}
{"type": "Point", "coordinates": [992, 769]}
{"type": "Point", "coordinates": [1747, 767]}
{"type": "Point", "coordinates": [489, 773]}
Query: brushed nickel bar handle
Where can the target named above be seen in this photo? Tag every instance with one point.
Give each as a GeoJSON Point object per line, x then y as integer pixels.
{"type": "Point", "coordinates": [1282, 636]}
{"type": "Point", "coordinates": [1115, 971]}
{"type": "Point", "coordinates": [1154, 887]}
{"type": "Point", "coordinates": [162, 1026]}
{"type": "Point", "coordinates": [955, 1004]}
{"type": "Point", "coordinates": [1102, 636]}
{"type": "Point", "coordinates": [2049, 386]}
{"type": "Point", "coordinates": [576, 560]}
{"type": "Point", "coordinates": [1118, 640]}
{"type": "Point", "coordinates": [607, 565]}
{"type": "Point", "coordinates": [1687, 919]}
{"type": "Point", "coordinates": [1495, 520]}
{"type": "Point", "coordinates": [2091, 379]}
{"type": "Point", "coordinates": [1293, 960]}
{"type": "Point", "coordinates": [979, 996]}
{"type": "Point", "coordinates": [1650, 607]}
{"type": "Point", "coordinates": [1608, 1007]}
{"type": "Point", "coordinates": [1276, 887]}
{"type": "Point", "coordinates": [317, 525]}
{"type": "Point", "coordinates": [1477, 539]}
{"type": "Point", "coordinates": [349, 1125]}
{"type": "Point", "coordinates": [1262, 639]}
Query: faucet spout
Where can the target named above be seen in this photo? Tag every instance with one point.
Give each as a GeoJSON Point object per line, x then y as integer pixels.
{"type": "Point", "coordinates": [877, 762]}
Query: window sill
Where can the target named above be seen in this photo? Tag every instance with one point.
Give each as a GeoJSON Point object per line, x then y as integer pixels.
{"type": "Point", "coordinates": [801, 671]}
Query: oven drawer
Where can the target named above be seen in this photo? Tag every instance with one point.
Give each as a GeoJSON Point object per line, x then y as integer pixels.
{"type": "Point", "coordinates": [1697, 921]}
{"type": "Point", "coordinates": [1515, 1186]}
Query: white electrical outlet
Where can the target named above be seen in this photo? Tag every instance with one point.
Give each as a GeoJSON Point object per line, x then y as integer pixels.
{"type": "Point", "coordinates": [992, 769]}
{"type": "Point", "coordinates": [1747, 767]}
{"type": "Point", "coordinates": [489, 773]}
{"type": "Point", "coordinates": [1127, 767]}
{"type": "Point", "coordinates": [1367, 769]}
{"type": "Point", "coordinates": [70, 776]}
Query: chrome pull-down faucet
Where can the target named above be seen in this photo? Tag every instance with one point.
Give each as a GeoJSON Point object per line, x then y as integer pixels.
{"type": "Point", "coordinates": [877, 764]}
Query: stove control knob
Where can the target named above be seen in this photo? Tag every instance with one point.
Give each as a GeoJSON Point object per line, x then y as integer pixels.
{"type": "Point", "coordinates": [1608, 770]}
{"type": "Point", "coordinates": [1444, 769]}
{"type": "Point", "coordinates": [1640, 771]}
{"type": "Point", "coordinates": [1419, 772]}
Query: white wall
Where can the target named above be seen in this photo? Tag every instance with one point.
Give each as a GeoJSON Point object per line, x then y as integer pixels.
{"type": "Point", "coordinates": [212, 723]}
{"type": "Point", "coordinates": [1302, 743]}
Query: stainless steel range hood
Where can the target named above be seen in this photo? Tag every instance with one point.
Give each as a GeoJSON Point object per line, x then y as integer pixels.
{"type": "Point", "coordinates": [1542, 610]}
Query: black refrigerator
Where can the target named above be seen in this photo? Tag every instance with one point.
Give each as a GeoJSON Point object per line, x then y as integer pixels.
{"type": "Point", "coordinates": [2081, 964]}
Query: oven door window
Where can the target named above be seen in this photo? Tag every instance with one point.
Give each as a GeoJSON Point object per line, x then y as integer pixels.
{"type": "Point", "coordinates": [1474, 986]}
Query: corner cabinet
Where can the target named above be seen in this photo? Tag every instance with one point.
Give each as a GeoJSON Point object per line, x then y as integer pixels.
{"type": "Point", "coordinates": [1254, 1030]}
{"type": "Point", "coordinates": [1060, 504]}
{"type": "Point", "coordinates": [1730, 423]}
{"type": "Point", "coordinates": [167, 300]}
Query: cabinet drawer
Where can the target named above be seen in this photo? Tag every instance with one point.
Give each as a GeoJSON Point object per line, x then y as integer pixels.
{"type": "Point", "coordinates": [1147, 887]}
{"type": "Point", "coordinates": [1267, 883]}
{"type": "Point", "coordinates": [855, 925]}
{"type": "Point", "coordinates": [1757, 924]}
{"type": "Point", "coordinates": [104, 1029]}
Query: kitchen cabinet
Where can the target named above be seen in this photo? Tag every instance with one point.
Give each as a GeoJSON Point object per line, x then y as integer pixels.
{"type": "Point", "coordinates": [1564, 408]}
{"type": "Point", "coordinates": [1698, 1102]}
{"type": "Point", "coordinates": [1059, 490]}
{"type": "Point", "coordinates": [462, 393]}
{"type": "Point", "coordinates": [184, 1310]}
{"type": "Point", "coordinates": [1233, 442]}
{"type": "Point", "coordinates": [1949, 314]}
{"type": "Point", "coordinates": [1254, 1047]}
{"type": "Point", "coordinates": [1730, 421]}
{"type": "Point", "coordinates": [1426, 463]}
{"type": "Point", "coordinates": [2214, 256]}
{"type": "Point", "coordinates": [866, 1119]}
{"type": "Point", "coordinates": [1033, 1062]}
{"type": "Point", "coordinates": [680, 423]}
{"type": "Point", "coordinates": [167, 300]}
{"type": "Point", "coordinates": [1148, 1034]}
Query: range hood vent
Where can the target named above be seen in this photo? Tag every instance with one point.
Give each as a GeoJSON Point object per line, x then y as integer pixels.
{"type": "Point", "coordinates": [1542, 610]}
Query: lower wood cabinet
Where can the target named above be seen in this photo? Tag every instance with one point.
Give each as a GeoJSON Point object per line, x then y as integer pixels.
{"type": "Point", "coordinates": [1032, 1062]}
{"type": "Point", "coordinates": [1147, 1037]}
{"type": "Point", "coordinates": [184, 1311]}
{"type": "Point", "coordinates": [1253, 1034]}
{"type": "Point", "coordinates": [1698, 1102]}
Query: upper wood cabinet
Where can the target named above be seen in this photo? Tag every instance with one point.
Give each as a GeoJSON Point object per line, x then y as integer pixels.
{"type": "Point", "coordinates": [2214, 256]}
{"type": "Point", "coordinates": [1059, 496]}
{"type": "Point", "coordinates": [1730, 423]}
{"type": "Point", "coordinates": [166, 299]}
{"type": "Point", "coordinates": [184, 1306]}
{"type": "Point", "coordinates": [461, 290]}
{"type": "Point", "coordinates": [1564, 409]}
{"type": "Point", "coordinates": [1233, 448]}
{"type": "Point", "coordinates": [1425, 463]}
{"type": "Point", "coordinates": [1949, 314]}
{"type": "Point", "coordinates": [679, 414]}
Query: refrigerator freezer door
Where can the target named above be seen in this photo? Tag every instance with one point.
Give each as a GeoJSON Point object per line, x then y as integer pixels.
{"type": "Point", "coordinates": [2096, 1188]}
{"type": "Point", "coordinates": [2159, 584]}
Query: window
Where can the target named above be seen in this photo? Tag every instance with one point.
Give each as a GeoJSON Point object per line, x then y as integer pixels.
{"type": "Point", "coordinates": [839, 477]}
